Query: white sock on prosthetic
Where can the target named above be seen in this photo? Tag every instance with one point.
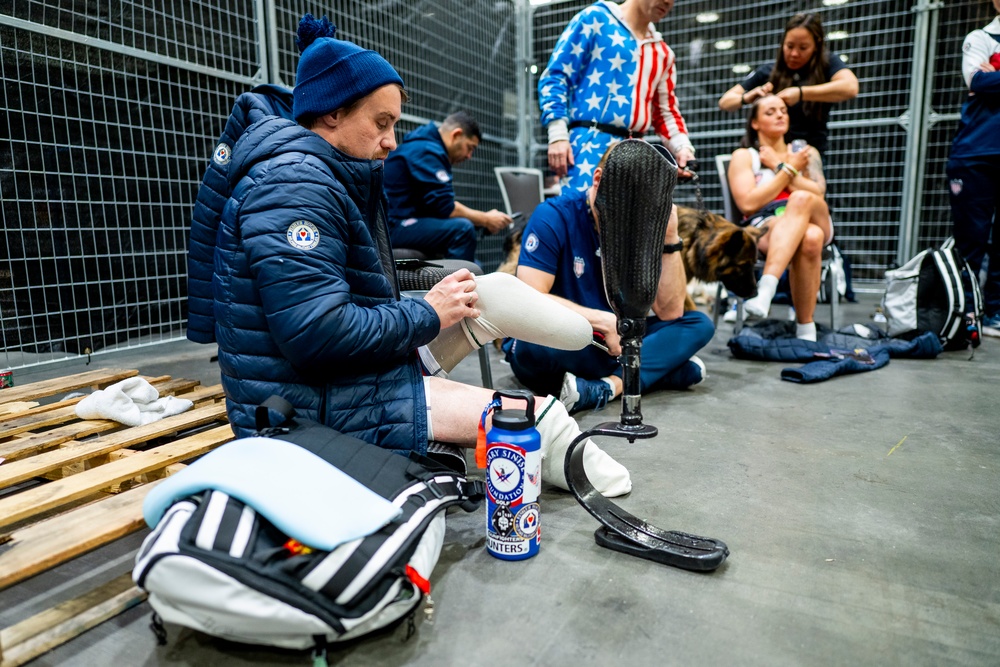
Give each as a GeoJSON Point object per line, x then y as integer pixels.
{"type": "Point", "coordinates": [760, 305]}
{"type": "Point", "coordinates": [509, 307]}
{"type": "Point", "coordinates": [557, 430]}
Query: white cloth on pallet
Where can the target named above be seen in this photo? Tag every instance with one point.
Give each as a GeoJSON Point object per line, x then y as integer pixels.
{"type": "Point", "coordinates": [132, 402]}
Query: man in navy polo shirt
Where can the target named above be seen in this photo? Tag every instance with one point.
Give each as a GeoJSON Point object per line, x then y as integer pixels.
{"type": "Point", "coordinates": [561, 257]}
{"type": "Point", "coordinates": [423, 212]}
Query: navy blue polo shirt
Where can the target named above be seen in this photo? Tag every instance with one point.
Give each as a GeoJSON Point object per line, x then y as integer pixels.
{"type": "Point", "coordinates": [418, 177]}
{"type": "Point", "coordinates": [561, 239]}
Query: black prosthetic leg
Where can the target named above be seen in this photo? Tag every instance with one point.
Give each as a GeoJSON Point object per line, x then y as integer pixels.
{"type": "Point", "coordinates": [633, 204]}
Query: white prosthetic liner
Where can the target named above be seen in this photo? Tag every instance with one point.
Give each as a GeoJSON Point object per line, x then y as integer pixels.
{"type": "Point", "coordinates": [510, 308]}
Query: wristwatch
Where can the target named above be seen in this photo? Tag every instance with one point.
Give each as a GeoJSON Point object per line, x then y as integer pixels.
{"type": "Point", "coordinates": [673, 247]}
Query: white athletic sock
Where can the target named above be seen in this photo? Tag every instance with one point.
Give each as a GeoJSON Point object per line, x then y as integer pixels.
{"type": "Point", "coordinates": [806, 331]}
{"type": "Point", "coordinates": [557, 430]}
{"type": "Point", "coordinates": [760, 305]}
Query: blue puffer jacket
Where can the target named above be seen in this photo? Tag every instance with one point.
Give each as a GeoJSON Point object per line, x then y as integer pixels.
{"type": "Point", "coordinates": [262, 101]}
{"type": "Point", "coordinates": [306, 302]}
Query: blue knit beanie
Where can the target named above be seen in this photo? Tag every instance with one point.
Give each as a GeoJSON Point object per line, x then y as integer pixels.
{"type": "Point", "coordinates": [334, 72]}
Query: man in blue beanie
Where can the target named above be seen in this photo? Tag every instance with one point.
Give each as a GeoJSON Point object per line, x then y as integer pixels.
{"type": "Point", "coordinates": [306, 301]}
{"type": "Point", "coordinates": [423, 212]}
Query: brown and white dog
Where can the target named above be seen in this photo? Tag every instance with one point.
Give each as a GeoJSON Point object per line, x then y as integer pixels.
{"type": "Point", "coordinates": [715, 249]}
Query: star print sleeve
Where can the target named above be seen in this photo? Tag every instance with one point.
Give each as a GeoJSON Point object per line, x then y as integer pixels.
{"type": "Point", "coordinates": [667, 119]}
{"type": "Point", "coordinates": [565, 71]}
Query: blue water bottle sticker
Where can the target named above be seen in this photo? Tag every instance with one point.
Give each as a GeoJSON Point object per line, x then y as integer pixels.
{"type": "Point", "coordinates": [513, 484]}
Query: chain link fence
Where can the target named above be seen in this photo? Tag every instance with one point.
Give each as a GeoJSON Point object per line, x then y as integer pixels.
{"type": "Point", "coordinates": [111, 111]}
{"type": "Point", "coordinates": [874, 179]}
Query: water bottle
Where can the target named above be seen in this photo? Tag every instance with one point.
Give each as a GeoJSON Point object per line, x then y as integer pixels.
{"type": "Point", "coordinates": [513, 480]}
{"type": "Point", "coordinates": [798, 145]}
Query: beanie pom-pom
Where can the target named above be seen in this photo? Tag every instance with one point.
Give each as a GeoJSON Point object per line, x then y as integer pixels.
{"type": "Point", "coordinates": [311, 29]}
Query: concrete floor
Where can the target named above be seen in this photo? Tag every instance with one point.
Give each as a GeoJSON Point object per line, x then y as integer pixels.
{"type": "Point", "coordinates": [848, 548]}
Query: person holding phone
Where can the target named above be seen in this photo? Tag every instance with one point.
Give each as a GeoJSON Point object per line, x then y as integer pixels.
{"type": "Point", "coordinates": [424, 213]}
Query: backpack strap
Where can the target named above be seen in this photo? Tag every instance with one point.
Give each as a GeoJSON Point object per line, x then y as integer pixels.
{"type": "Point", "coordinates": [350, 571]}
{"type": "Point", "coordinates": [948, 270]}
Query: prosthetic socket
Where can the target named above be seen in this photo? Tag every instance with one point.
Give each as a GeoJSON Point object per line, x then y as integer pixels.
{"type": "Point", "coordinates": [510, 308]}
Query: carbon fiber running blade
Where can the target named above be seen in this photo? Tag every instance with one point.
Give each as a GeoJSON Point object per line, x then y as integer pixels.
{"type": "Point", "coordinates": [633, 205]}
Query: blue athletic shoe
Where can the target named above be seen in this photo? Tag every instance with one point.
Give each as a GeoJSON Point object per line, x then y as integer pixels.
{"type": "Point", "coordinates": [991, 326]}
{"type": "Point", "coordinates": [578, 394]}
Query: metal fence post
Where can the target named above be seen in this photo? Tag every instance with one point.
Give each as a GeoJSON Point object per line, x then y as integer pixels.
{"type": "Point", "coordinates": [523, 60]}
{"type": "Point", "coordinates": [916, 122]}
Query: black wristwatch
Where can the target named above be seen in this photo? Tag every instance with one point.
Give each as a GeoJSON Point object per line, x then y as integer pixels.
{"type": "Point", "coordinates": [673, 247]}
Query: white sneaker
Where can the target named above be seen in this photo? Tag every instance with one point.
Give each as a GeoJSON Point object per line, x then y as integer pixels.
{"type": "Point", "coordinates": [569, 394]}
{"type": "Point", "coordinates": [704, 371]}
{"type": "Point", "coordinates": [730, 315]}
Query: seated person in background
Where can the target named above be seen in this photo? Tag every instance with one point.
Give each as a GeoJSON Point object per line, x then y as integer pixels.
{"type": "Point", "coordinates": [423, 212]}
{"type": "Point", "coordinates": [306, 300]}
{"type": "Point", "coordinates": [560, 256]}
{"type": "Point", "coordinates": [783, 190]}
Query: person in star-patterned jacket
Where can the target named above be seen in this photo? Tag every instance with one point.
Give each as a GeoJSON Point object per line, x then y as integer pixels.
{"type": "Point", "coordinates": [610, 76]}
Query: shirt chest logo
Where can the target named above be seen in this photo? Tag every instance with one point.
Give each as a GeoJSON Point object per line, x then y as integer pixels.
{"type": "Point", "coordinates": [443, 176]}
{"type": "Point", "coordinates": [303, 235]}
{"type": "Point", "coordinates": [579, 266]}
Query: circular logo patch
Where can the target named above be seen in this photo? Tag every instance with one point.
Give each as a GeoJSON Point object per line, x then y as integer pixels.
{"type": "Point", "coordinates": [504, 483]}
{"type": "Point", "coordinates": [443, 176]}
{"type": "Point", "coordinates": [526, 521]}
{"type": "Point", "coordinates": [222, 154]}
{"type": "Point", "coordinates": [531, 243]}
{"type": "Point", "coordinates": [303, 235]}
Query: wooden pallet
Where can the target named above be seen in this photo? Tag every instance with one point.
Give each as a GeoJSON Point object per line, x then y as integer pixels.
{"type": "Point", "coordinates": [93, 478]}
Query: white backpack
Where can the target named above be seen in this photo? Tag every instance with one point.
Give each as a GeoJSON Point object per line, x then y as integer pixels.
{"type": "Point", "coordinates": [297, 540]}
{"type": "Point", "coordinates": [935, 291]}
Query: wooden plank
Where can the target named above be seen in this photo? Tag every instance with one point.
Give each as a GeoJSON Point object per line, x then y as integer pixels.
{"type": "Point", "coordinates": [43, 632]}
{"type": "Point", "coordinates": [55, 494]}
{"type": "Point", "coordinates": [74, 451]}
{"type": "Point", "coordinates": [100, 377]}
{"type": "Point", "coordinates": [202, 395]}
{"type": "Point", "coordinates": [18, 406]}
{"type": "Point", "coordinates": [34, 443]}
{"type": "Point", "coordinates": [48, 543]}
{"type": "Point", "coordinates": [50, 415]}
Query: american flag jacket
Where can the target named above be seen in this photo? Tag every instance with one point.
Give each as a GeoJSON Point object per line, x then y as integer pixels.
{"type": "Point", "coordinates": [600, 73]}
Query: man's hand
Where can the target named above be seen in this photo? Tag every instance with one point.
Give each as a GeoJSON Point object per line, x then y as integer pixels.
{"type": "Point", "coordinates": [560, 157]}
{"type": "Point", "coordinates": [454, 298]}
{"type": "Point", "coordinates": [606, 324]}
{"type": "Point", "coordinates": [493, 221]}
{"type": "Point", "coordinates": [683, 156]}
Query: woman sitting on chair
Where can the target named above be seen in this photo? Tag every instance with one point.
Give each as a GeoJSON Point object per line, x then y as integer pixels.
{"type": "Point", "coordinates": [784, 190]}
